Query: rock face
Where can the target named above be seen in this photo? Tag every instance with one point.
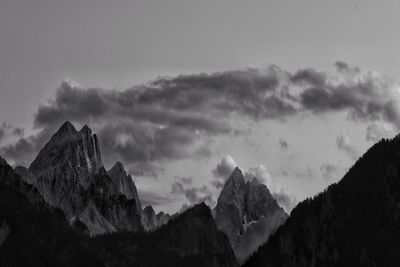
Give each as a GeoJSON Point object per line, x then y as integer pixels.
{"type": "Point", "coordinates": [151, 221]}
{"type": "Point", "coordinates": [190, 239]}
{"type": "Point", "coordinates": [32, 233]}
{"type": "Point", "coordinates": [64, 167]}
{"type": "Point", "coordinates": [247, 214]}
{"type": "Point", "coordinates": [124, 182]}
{"type": "Point", "coordinates": [355, 222]}
{"type": "Point", "coordinates": [68, 172]}
{"type": "Point", "coordinates": [149, 218]}
{"type": "Point", "coordinates": [162, 218]}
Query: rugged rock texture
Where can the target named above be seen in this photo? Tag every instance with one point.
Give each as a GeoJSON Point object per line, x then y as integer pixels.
{"type": "Point", "coordinates": [34, 234]}
{"type": "Point", "coordinates": [151, 220]}
{"type": "Point", "coordinates": [64, 166]}
{"type": "Point", "coordinates": [162, 218]}
{"type": "Point", "coordinates": [124, 182]}
{"type": "Point", "coordinates": [190, 239]}
{"type": "Point", "coordinates": [355, 222]}
{"type": "Point", "coordinates": [247, 213]}
{"type": "Point", "coordinates": [68, 172]}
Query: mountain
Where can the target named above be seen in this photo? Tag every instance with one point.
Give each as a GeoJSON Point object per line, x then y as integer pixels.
{"type": "Point", "coordinates": [162, 218]}
{"type": "Point", "coordinates": [68, 172]}
{"type": "Point", "coordinates": [355, 222]}
{"type": "Point", "coordinates": [151, 220]}
{"type": "Point", "coordinates": [32, 233]}
{"type": "Point", "coordinates": [190, 239]}
{"type": "Point", "coordinates": [124, 182]}
{"type": "Point", "coordinates": [247, 213]}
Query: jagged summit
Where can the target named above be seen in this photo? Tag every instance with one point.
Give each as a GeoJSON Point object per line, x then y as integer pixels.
{"type": "Point", "coordinates": [123, 181]}
{"type": "Point", "coordinates": [67, 127]}
{"type": "Point", "coordinates": [69, 174]}
{"type": "Point", "coordinates": [241, 203]}
{"type": "Point", "coordinates": [86, 130]}
{"type": "Point", "coordinates": [67, 131]}
{"type": "Point", "coordinates": [69, 148]}
{"type": "Point", "coordinates": [148, 209]}
{"type": "Point", "coordinates": [236, 174]}
{"type": "Point", "coordinates": [117, 168]}
{"type": "Point", "coordinates": [151, 221]}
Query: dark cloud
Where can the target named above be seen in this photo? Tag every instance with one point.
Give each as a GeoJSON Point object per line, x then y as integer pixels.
{"type": "Point", "coordinates": [310, 76]}
{"type": "Point", "coordinates": [345, 67]}
{"type": "Point", "coordinates": [283, 144]}
{"type": "Point", "coordinates": [223, 170]}
{"type": "Point", "coordinates": [287, 201]}
{"type": "Point", "coordinates": [344, 144]}
{"type": "Point", "coordinates": [176, 117]}
{"type": "Point", "coordinates": [18, 152]}
{"type": "Point", "coordinates": [366, 96]}
{"type": "Point", "coordinates": [193, 194]}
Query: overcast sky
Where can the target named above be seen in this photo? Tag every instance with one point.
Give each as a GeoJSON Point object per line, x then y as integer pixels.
{"type": "Point", "coordinates": [182, 91]}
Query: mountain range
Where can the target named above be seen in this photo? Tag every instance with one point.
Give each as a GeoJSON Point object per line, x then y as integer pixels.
{"type": "Point", "coordinates": [67, 209]}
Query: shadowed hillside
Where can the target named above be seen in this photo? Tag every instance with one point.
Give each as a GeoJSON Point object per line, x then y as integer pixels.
{"type": "Point", "coordinates": [355, 222]}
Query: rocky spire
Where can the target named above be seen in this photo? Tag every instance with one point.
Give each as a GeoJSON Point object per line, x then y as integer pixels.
{"type": "Point", "coordinates": [69, 174]}
{"type": "Point", "coordinates": [149, 220]}
{"type": "Point", "coordinates": [123, 181]}
{"type": "Point", "coordinates": [64, 165]}
{"type": "Point", "coordinates": [241, 203]}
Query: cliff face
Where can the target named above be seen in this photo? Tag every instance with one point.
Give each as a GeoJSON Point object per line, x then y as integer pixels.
{"type": "Point", "coordinates": [355, 222]}
{"type": "Point", "coordinates": [247, 213]}
{"type": "Point", "coordinates": [68, 172]}
{"type": "Point", "coordinates": [64, 166]}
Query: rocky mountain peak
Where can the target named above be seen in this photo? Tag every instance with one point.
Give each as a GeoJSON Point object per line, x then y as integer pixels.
{"type": "Point", "coordinates": [69, 148]}
{"type": "Point", "coordinates": [123, 181]}
{"type": "Point", "coordinates": [86, 132]}
{"type": "Point", "coordinates": [118, 168]}
{"type": "Point", "coordinates": [67, 128]}
{"type": "Point", "coordinates": [149, 219]}
{"type": "Point", "coordinates": [68, 172]}
{"type": "Point", "coordinates": [236, 175]}
{"type": "Point", "coordinates": [241, 203]}
{"type": "Point", "coordinates": [64, 168]}
{"type": "Point", "coordinates": [149, 210]}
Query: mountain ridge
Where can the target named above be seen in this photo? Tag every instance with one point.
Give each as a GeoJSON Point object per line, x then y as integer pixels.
{"type": "Point", "coordinates": [69, 173]}
{"type": "Point", "coordinates": [354, 222]}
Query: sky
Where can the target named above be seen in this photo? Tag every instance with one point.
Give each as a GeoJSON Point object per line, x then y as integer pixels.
{"type": "Point", "coordinates": [181, 92]}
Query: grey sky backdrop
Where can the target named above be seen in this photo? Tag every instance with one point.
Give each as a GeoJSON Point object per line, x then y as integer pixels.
{"type": "Point", "coordinates": [322, 88]}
